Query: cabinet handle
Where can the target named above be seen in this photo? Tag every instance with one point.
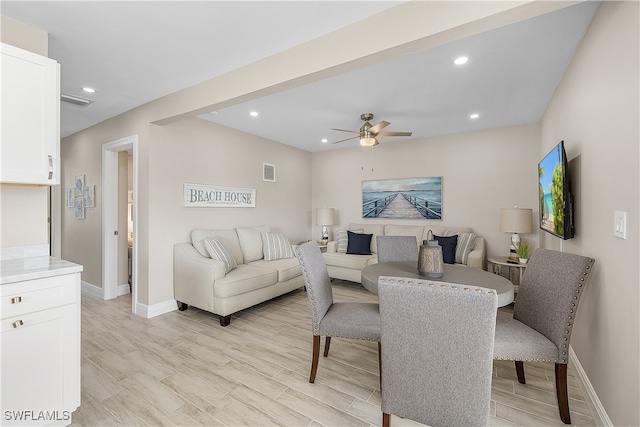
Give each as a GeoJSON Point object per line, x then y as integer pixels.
{"type": "Point", "coordinates": [16, 300]}
{"type": "Point", "coordinates": [50, 167]}
{"type": "Point", "coordinates": [17, 323]}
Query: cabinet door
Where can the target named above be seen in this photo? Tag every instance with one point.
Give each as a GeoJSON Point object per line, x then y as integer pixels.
{"type": "Point", "coordinates": [30, 118]}
{"type": "Point", "coordinates": [40, 367]}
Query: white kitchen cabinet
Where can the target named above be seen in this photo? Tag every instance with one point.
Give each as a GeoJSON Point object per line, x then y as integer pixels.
{"type": "Point", "coordinates": [30, 118]}
{"type": "Point", "coordinates": [40, 347]}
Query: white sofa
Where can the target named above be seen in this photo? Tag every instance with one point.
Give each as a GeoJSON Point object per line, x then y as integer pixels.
{"type": "Point", "coordinates": [348, 266]}
{"type": "Point", "coordinates": [203, 282]}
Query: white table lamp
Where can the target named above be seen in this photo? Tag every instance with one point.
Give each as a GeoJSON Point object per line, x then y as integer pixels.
{"type": "Point", "coordinates": [324, 217]}
{"type": "Point", "coordinates": [515, 220]}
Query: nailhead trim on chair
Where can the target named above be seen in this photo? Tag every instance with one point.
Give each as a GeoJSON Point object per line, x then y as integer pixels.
{"type": "Point", "coordinates": [576, 298]}
{"type": "Point", "coordinates": [314, 320]}
{"type": "Point", "coordinates": [443, 285]}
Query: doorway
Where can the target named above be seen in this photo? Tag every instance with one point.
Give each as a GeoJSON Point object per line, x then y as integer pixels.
{"type": "Point", "coordinates": [111, 231]}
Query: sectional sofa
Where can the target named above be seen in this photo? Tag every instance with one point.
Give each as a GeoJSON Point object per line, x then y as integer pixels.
{"type": "Point", "coordinates": [225, 271]}
{"type": "Point", "coordinates": [470, 250]}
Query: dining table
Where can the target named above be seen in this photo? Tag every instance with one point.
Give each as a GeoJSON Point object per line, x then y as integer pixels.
{"type": "Point", "coordinates": [458, 274]}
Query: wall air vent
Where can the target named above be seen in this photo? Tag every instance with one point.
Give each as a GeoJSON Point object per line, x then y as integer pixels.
{"type": "Point", "coordinates": [268, 172]}
{"type": "Point", "coordinates": [76, 100]}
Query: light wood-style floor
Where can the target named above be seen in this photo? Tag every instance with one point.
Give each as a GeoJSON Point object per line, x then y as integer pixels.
{"type": "Point", "coordinates": [184, 369]}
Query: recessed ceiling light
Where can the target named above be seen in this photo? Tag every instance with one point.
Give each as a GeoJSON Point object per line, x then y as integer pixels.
{"type": "Point", "coordinates": [324, 140]}
{"type": "Point", "coordinates": [89, 89]}
{"type": "Point", "coordinates": [474, 116]}
{"type": "Point", "coordinates": [461, 60]}
{"type": "Point", "coordinates": [253, 114]}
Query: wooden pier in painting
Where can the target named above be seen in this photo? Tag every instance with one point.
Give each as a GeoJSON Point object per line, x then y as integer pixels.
{"type": "Point", "coordinates": [406, 207]}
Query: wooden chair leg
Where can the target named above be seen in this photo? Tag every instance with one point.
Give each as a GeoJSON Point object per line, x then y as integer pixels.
{"type": "Point", "coordinates": [327, 343]}
{"type": "Point", "coordinates": [386, 420]}
{"type": "Point", "coordinates": [380, 364]}
{"type": "Point", "coordinates": [520, 371]}
{"type": "Point", "coordinates": [561, 392]}
{"type": "Point", "coordinates": [314, 358]}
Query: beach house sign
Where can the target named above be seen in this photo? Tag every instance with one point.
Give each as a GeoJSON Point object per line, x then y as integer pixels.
{"type": "Point", "coordinates": [209, 196]}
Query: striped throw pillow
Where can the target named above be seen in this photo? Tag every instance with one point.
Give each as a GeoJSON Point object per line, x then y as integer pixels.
{"type": "Point", "coordinates": [466, 241]}
{"type": "Point", "coordinates": [218, 250]}
{"type": "Point", "coordinates": [276, 246]}
{"type": "Point", "coordinates": [343, 239]}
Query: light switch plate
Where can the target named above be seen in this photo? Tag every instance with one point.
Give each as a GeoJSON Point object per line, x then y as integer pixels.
{"type": "Point", "coordinates": [620, 224]}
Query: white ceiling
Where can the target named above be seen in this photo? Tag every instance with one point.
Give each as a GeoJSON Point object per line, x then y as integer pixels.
{"type": "Point", "coordinates": [135, 52]}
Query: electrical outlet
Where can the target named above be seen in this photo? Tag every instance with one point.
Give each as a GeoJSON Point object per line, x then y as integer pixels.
{"type": "Point", "coordinates": [620, 224]}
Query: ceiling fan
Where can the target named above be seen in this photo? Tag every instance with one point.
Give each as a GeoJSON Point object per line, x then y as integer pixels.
{"type": "Point", "coordinates": [368, 132]}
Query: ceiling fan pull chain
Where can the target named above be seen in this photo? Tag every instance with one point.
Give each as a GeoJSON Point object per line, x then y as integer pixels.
{"type": "Point", "coordinates": [371, 158]}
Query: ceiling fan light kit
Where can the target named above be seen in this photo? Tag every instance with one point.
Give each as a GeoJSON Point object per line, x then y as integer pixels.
{"type": "Point", "coordinates": [368, 132]}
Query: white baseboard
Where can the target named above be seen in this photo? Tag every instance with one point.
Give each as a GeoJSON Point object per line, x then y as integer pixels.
{"type": "Point", "coordinates": [149, 311]}
{"type": "Point", "coordinates": [146, 311]}
{"type": "Point", "coordinates": [599, 414]}
{"type": "Point", "coordinates": [123, 290]}
{"type": "Point", "coordinates": [89, 289]}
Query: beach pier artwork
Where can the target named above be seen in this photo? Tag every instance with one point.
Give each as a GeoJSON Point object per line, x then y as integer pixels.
{"type": "Point", "coordinates": [408, 198]}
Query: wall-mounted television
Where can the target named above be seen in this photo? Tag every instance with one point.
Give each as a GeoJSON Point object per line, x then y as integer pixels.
{"type": "Point", "coordinates": [556, 200]}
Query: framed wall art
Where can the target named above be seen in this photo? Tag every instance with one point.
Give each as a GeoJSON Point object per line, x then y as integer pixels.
{"type": "Point", "coordinates": [71, 197]}
{"type": "Point", "coordinates": [78, 184]}
{"type": "Point", "coordinates": [89, 196]}
{"type": "Point", "coordinates": [406, 198]}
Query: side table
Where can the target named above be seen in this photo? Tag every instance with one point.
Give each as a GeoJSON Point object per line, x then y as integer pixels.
{"type": "Point", "coordinates": [499, 261]}
{"type": "Point", "coordinates": [322, 246]}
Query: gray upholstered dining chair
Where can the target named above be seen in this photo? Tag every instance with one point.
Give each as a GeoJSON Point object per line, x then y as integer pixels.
{"type": "Point", "coordinates": [543, 316]}
{"type": "Point", "coordinates": [356, 320]}
{"type": "Point", "coordinates": [436, 351]}
{"type": "Point", "coordinates": [397, 248]}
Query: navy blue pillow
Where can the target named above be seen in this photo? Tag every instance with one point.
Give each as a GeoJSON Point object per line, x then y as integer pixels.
{"type": "Point", "coordinates": [449, 244]}
{"type": "Point", "coordinates": [358, 244]}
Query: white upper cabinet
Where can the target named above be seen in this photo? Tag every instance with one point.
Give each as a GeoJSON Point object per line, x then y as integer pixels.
{"type": "Point", "coordinates": [29, 118]}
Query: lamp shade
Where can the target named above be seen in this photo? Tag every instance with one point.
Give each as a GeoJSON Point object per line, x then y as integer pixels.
{"type": "Point", "coordinates": [516, 220]}
{"type": "Point", "coordinates": [324, 216]}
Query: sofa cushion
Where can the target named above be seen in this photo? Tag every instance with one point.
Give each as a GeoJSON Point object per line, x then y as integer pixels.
{"type": "Point", "coordinates": [444, 230]}
{"type": "Point", "coordinates": [244, 278]}
{"type": "Point", "coordinates": [229, 236]}
{"type": "Point", "coordinates": [357, 262]}
{"type": "Point", "coordinates": [287, 268]}
{"type": "Point", "coordinates": [448, 244]}
{"type": "Point", "coordinates": [251, 242]}
{"type": "Point", "coordinates": [405, 230]}
{"type": "Point", "coordinates": [359, 244]}
{"type": "Point", "coordinates": [276, 246]}
{"type": "Point", "coordinates": [375, 229]}
{"type": "Point", "coordinates": [217, 249]}
{"type": "Point", "coordinates": [466, 242]}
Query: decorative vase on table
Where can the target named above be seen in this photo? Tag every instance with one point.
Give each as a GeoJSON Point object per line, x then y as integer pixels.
{"type": "Point", "coordinates": [430, 262]}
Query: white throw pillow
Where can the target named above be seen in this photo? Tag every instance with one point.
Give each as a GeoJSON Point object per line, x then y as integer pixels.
{"type": "Point", "coordinates": [276, 246]}
{"type": "Point", "coordinates": [218, 250]}
{"type": "Point", "coordinates": [466, 242]}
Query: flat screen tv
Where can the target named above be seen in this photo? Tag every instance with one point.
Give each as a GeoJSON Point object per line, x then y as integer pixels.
{"type": "Point", "coordinates": [556, 201]}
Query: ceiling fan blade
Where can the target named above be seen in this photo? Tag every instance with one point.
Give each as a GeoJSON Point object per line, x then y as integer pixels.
{"type": "Point", "coordinates": [377, 128]}
{"type": "Point", "coordinates": [350, 131]}
{"type": "Point", "coordinates": [343, 140]}
{"type": "Point", "coordinates": [394, 133]}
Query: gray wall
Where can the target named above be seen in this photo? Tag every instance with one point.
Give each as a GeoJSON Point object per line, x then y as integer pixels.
{"type": "Point", "coordinates": [595, 110]}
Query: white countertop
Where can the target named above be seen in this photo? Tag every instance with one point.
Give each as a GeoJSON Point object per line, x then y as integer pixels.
{"type": "Point", "coordinates": [21, 269]}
